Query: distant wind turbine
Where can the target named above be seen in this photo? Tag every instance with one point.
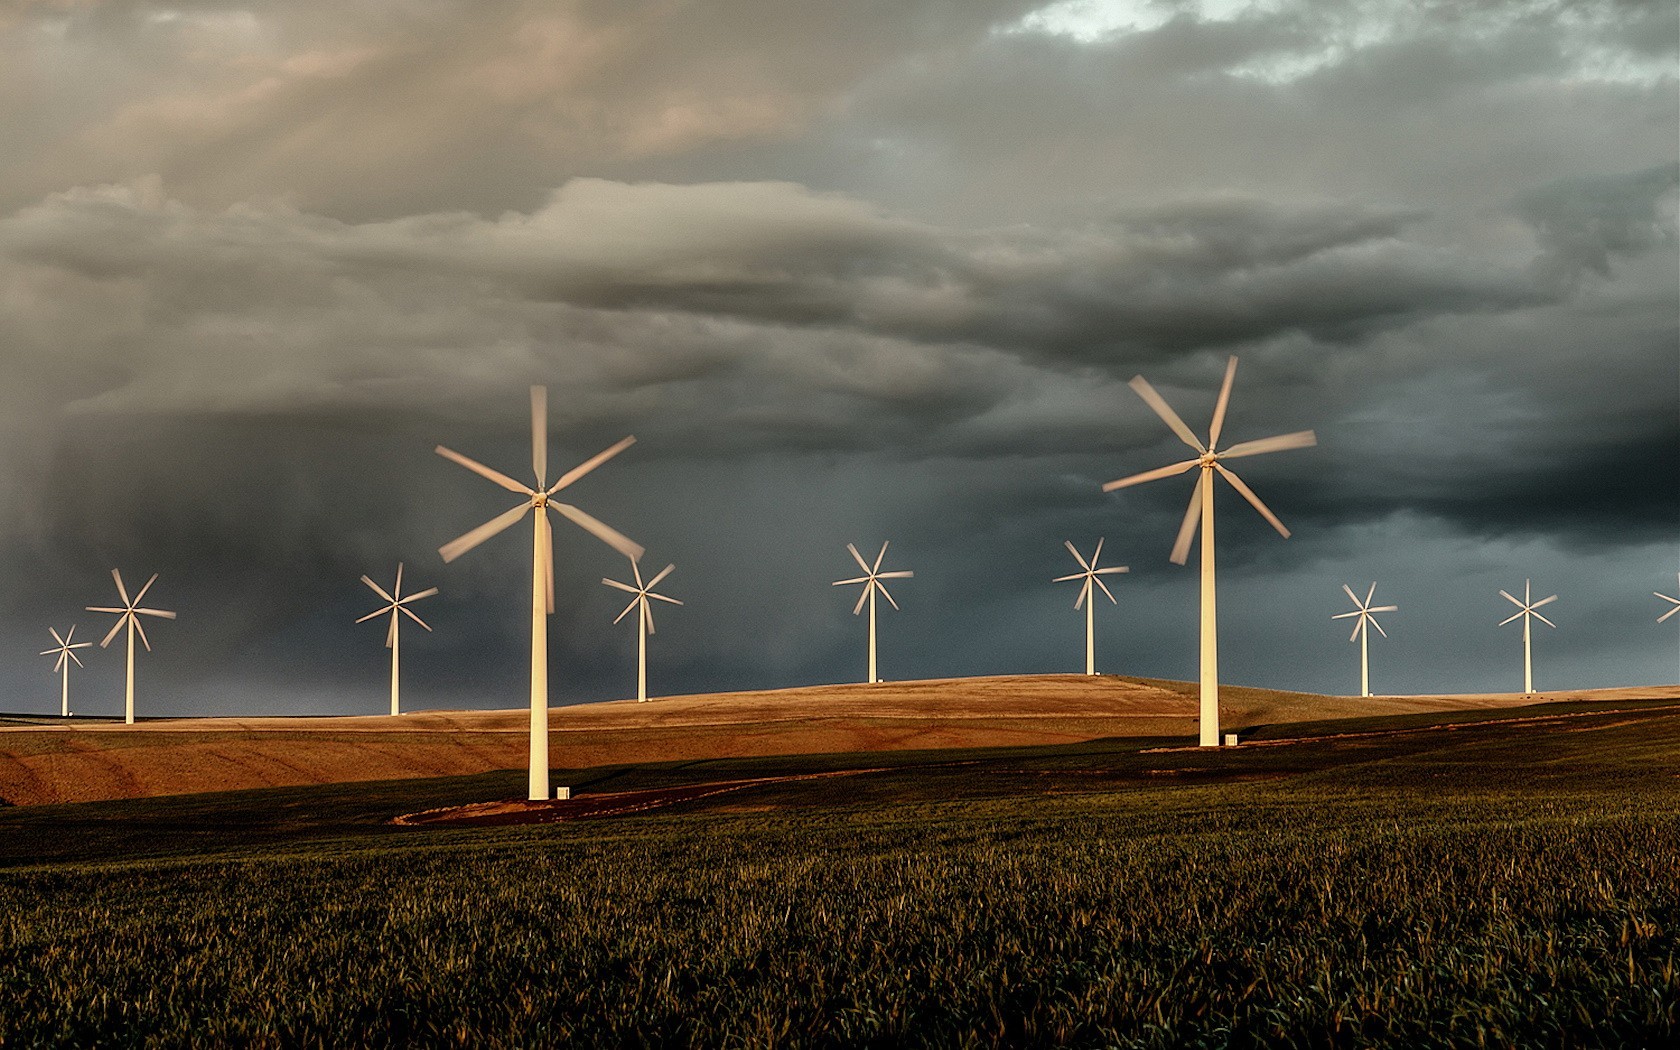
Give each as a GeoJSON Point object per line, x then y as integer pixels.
{"type": "Point", "coordinates": [397, 603]}
{"type": "Point", "coordinates": [129, 616]}
{"type": "Point", "coordinates": [62, 667]}
{"type": "Point", "coordinates": [1209, 459]}
{"type": "Point", "coordinates": [540, 499]}
{"type": "Point", "coordinates": [1362, 632]}
{"type": "Point", "coordinates": [1525, 613]}
{"type": "Point", "coordinates": [871, 580]}
{"type": "Point", "coordinates": [1672, 601]}
{"type": "Point", "coordinates": [1090, 573]}
{"type": "Point", "coordinates": [644, 625]}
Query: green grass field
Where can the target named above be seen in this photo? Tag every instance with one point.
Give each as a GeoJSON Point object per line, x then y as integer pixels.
{"type": "Point", "coordinates": [1488, 883]}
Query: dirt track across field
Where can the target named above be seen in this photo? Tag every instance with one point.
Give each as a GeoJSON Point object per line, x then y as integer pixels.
{"type": "Point", "coordinates": [79, 761]}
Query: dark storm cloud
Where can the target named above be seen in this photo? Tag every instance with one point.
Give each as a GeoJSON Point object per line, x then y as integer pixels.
{"type": "Point", "coordinates": [1582, 223]}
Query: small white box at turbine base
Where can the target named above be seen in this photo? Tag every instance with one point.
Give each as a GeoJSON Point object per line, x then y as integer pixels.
{"type": "Point", "coordinates": [1230, 740]}
{"type": "Point", "coordinates": [562, 792]}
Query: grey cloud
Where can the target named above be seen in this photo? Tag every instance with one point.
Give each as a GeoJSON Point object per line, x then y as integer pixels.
{"type": "Point", "coordinates": [1583, 223]}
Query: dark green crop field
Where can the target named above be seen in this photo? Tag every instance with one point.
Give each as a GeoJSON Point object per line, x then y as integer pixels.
{"type": "Point", "coordinates": [1495, 882]}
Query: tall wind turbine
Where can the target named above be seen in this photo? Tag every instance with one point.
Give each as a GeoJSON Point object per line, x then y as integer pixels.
{"type": "Point", "coordinates": [1208, 458]}
{"type": "Point", "coordinates": [65, 655]}
{"type": "Point", "coordinates": [642, 592]}
{"type": "Point", "coordinates": [1526, 613]}
{"type": "Point", "coordinates": [1089, 573]}
{"type": "Point", "coordinates": [1362, 631]}
{"type": "Point", "coordinates": [871, 580]}
{"type": "Point", "coordinates": [129, 615]}
{"type": "Point", "coordinates": [540, 499]}
{"type": "Point", "coordinates": [397, 603]}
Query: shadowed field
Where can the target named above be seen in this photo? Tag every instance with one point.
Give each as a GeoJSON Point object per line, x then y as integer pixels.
{"type": "Point", "coordinates": [48, 760]}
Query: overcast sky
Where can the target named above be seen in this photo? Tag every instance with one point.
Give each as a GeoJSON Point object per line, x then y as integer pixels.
{"type": "Point", "coordinates": [849, 272]}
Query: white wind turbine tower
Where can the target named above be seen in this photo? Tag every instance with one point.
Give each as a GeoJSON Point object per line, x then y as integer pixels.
{"type": "Point", "coordinates": [642, 592]}
{"type": "Point", "coordinates": [539, 499]}
{"type": "Point", "coordinates": [1089, 573]}
{"type": "Point", "coordinates": [397, 604]}
{"type": "Point", "coordinates": [871, 580]}
{"type": "Point", "coordinates": [1362, 631]}
{"type": "Point", "coordinates": [63, 649]}
{"type": "Point", "coordinates": [1526, 613]}
{"type": "Point", "coordinates": [129, 615]}
{"type": "Point", "coordinates": [1208, 458]}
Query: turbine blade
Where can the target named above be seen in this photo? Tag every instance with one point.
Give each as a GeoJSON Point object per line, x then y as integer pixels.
{"type": "Point", "coordinates": [1516, 616]}
{"type": "Point", "coordinates": [1071, 576]}
{"type": "Point", "coordinates": [1150, 475]}
{"type": "Point", "coordinates": [1372, 593]}
{"type": "Point", "coordinates": [601, 531]}
{"type": "Point", "coordinates": [1164, 410]}
{"type": "Point", "coordinates": [1113, 568]}
{"type": "Point", "coordinates": [860, 579]}
{"type": "Point", "coordinates": [376, 612]}
{"type": "Point", "coordinates": [466, 542]}
{"type": "Point", "coordinates": [590, 464]}
{"type": "Point", "coordinates": [664, 598]}
{"type": "Point", "coordinates": [82, 645]}
{"type": "Point", "coordinates": [858, 558]}
{"type": "Point", "coordinates": [1354, 598]}
{"type": "Point", "coordinates": [1078, 557]}
{"type": "Point", "coordinates": [1084, 593]}
{"type": "Point", "coordinates": [1299, 439]}
{"type": "Point", "coordinates": [1354, 637]}
{"type": "Point", "coordinates": [1248, 494]}
{"type": "Point", "coordinates": [547, 555]}
{"type": "Point", "coordinates": [377, 589]}
{"type": "Point", "coordinates": [103, 609]}
{"type": "Point", "coordinates": [1192, 518]}
{"type": "Point", "coordinates": [1384, 608]}
{"type": "Point", "coordinates": [1508, 597]}
{"type": "Point", "coordinates": [142, 593]}
{"type": "Point", "coordinates": [65, 641]}
{"type": "Point", "coordinates": [49, 652]}
{"type": "Point", "coordinates": [156, 612]}
{"type": "Point", "coordinates": [1543, 620]}
{"type": "Point", "coordinates": [1544, 601]}
{"type": "Point", "coordinates": [121, 590]}
{"type": "Point", "coordinates": [633, 603]}
{"type": "Point", "coordinates": [141, 630]}
{"type": "Point", "coordinates": [863, 596]}
{"type": "Point", "coordinates": [417, 595]}
{"type": "Point", "coordinates": [113, 632]}
{"type": "Point", "coordinates": [58, 665]}
{"type": "Point", "coordinates": [410, 614]}
{"type": "Point", "coordinates": [1096, 555]}
{"type": "Point", "coordinates": [1105, 590]}
{"type": "Point", "coordinates": [896, 574]}
{"type": "Point", "coordinates": [1669, 613]}
{"type": "Point", "coordinates": [647, 618]}
{"type": "Point", "coordinates": [875, 569]}
{"type": "Point", "coordinates": [885, 593]}
{"type": "Point", "coordinates": [76, 658]}
{"type": "Point", "coordinates": [483, 471]}
{"type": "Point", "coordinates": [391, 631]}
{"type": "Point", "coordinates": [396, 588]}
{"type": "Point", "coordinates": [625, 587]}
{"type": "Point", "coordinates": [1343, 616]}
{"type": "Point", "coordinates": [651, 584]}
{"type": "Point", "coordinates": [1219, 406]}
{"type": "Point", "coordinates": [539, 434]}
{"type": "Point", "coordinates": [1378, 626]}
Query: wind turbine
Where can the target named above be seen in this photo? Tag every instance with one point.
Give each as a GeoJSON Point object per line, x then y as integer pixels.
{"type": "Point", "coordinates": [1526, 612]}
{"type": "Point", "coordinates": [129, 615]}
{"type": "Point", "coordinates": [1362, 631]}
{"type": "Point", "coordinates": [1208, 458]}
{"type": "Point", "coordinates": [1675, 601]}
{"type": "Point", "coordinates": [540, 500]}
{"type": "Point", "coordinates": [65, 655]}
{"type": "Point", "coordinates": [398, 603]}
{"type": "Point", "coordinates": [871, 580]}
{"type": "Point", "coordinates": [1089, 573]}
{"type": "Point", "coordinates": [642, 592]}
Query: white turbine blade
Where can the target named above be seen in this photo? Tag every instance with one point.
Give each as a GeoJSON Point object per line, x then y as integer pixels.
{"type": "Point", "coordinates": [466, 542]}
{"type": "Point", "coordinates": [1105, 590]}
{"type": "Point", "coordinates": [104, 609]}
{"type": "Point", "coordinates": [601, 531]}
{"type": "Point", "coordinates": [1192, 519]}
{"type": "Point", "coordinates": [1670, 612]}
{"type": "Point", "coordinates": [863, 596]}
{"type": "Point", "coordinates": [875, 570]}
{"type": "Point", "coordinates": [406, 611]}
{"type": "Point", "coordinates": [1378, 626]}
{"type": "Point", "coordinates": [647, 617]}
{"type": "Point", "coordinates": [1543, 620]}
{"type": "Point", "coordinates": [858, 558]}
{"type": "Point", "coordinates": [1516, 616]}
{"type": "Point", "coordinates": [1354, 598]}
{"type": "Point", "coordinates": [1072, 576]}
{"type": "Point", "coordinates": [1150, 475]}
{"type": "Point", "coordinates": [896, 574]}
{"type": "Point", "coordinates": [61, 640]}
{"type": "Point", "coordinates": [838, 583]}
{"type": "Point", "coordinates": [590, 464]}
{"type": "Point", "coordinates": [1372, 593]}
{"type": "Point", "coordinates": [141, 630]}
{"type": "Point", "coordinates": [539, 434]}
{"type": "Point", "coordinates": [49, 652]}
{"type": "Point", "coordinates": [1220, 405]}
{"type": "Point", "coordinates": [1299, 439]}
{"type": "Point", "coordinates": [76, 658]}
{"type": "Point", "coordinates": [1164, 410]}
{"type": "Point", "coordinates": [1112, 568]}
{"type": "Point", "coordinates": [1084, 592]}
{"type": "Point", "coordinates": [113, 633]}
{"type": "Point", "coordinates": [377, 589]}
{"type": "Point", "coordinates": [1384, 608]}
{"type": "Point", "coordinates": [376, 612]}
{"type": "Point", "coordinates": [664, 598]}
{"type": "Point", "coordinates": [1659, 594]}
{"type": "Point", "coordinates": [1248, 494]}
{"type": "Point", "coordinates": [396, 588]}
{"type": "Point", "coordinates": [1343, 616]}
{"type": "Point", "coordinates": [1078, 557]}
{"type": "Point", "coordinates": [156, 612]}
{"type": "Point", "coordinates": [1096, 555]}
{"type": "Point", "coordinates": [82, 645]}
{"type": "Point", "coordinates": [1544, 601]}
{"type": "Point", "coordinates": [637, 600]}
{"type": "Point", "coordinates": [625, 587]}
{"type": "Point", "coordinates": [417, 595]}
{"type": "Point", "coordinates": [885, 593]}
{"type": "Point", "coordinates": [547, 555]}
{"type": "Point", "coordinates": [391, 630]}
{"type": "Point", "coordinates": [651, 584]}
{"type": "Point", "coordinates": [483, 471]}
{"type": "Point", "coordinates": [1356, 629]}
{"type": "Point", "coordinates": [1508, 597]}
{"type": "Point", "coordinates": [121, 590]}
{"type": "Point", "coordinates": [58, 665]}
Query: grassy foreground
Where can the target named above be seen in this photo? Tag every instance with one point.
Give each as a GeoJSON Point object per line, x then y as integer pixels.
{"type": "Point", "coordinates": [1478, 887]}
